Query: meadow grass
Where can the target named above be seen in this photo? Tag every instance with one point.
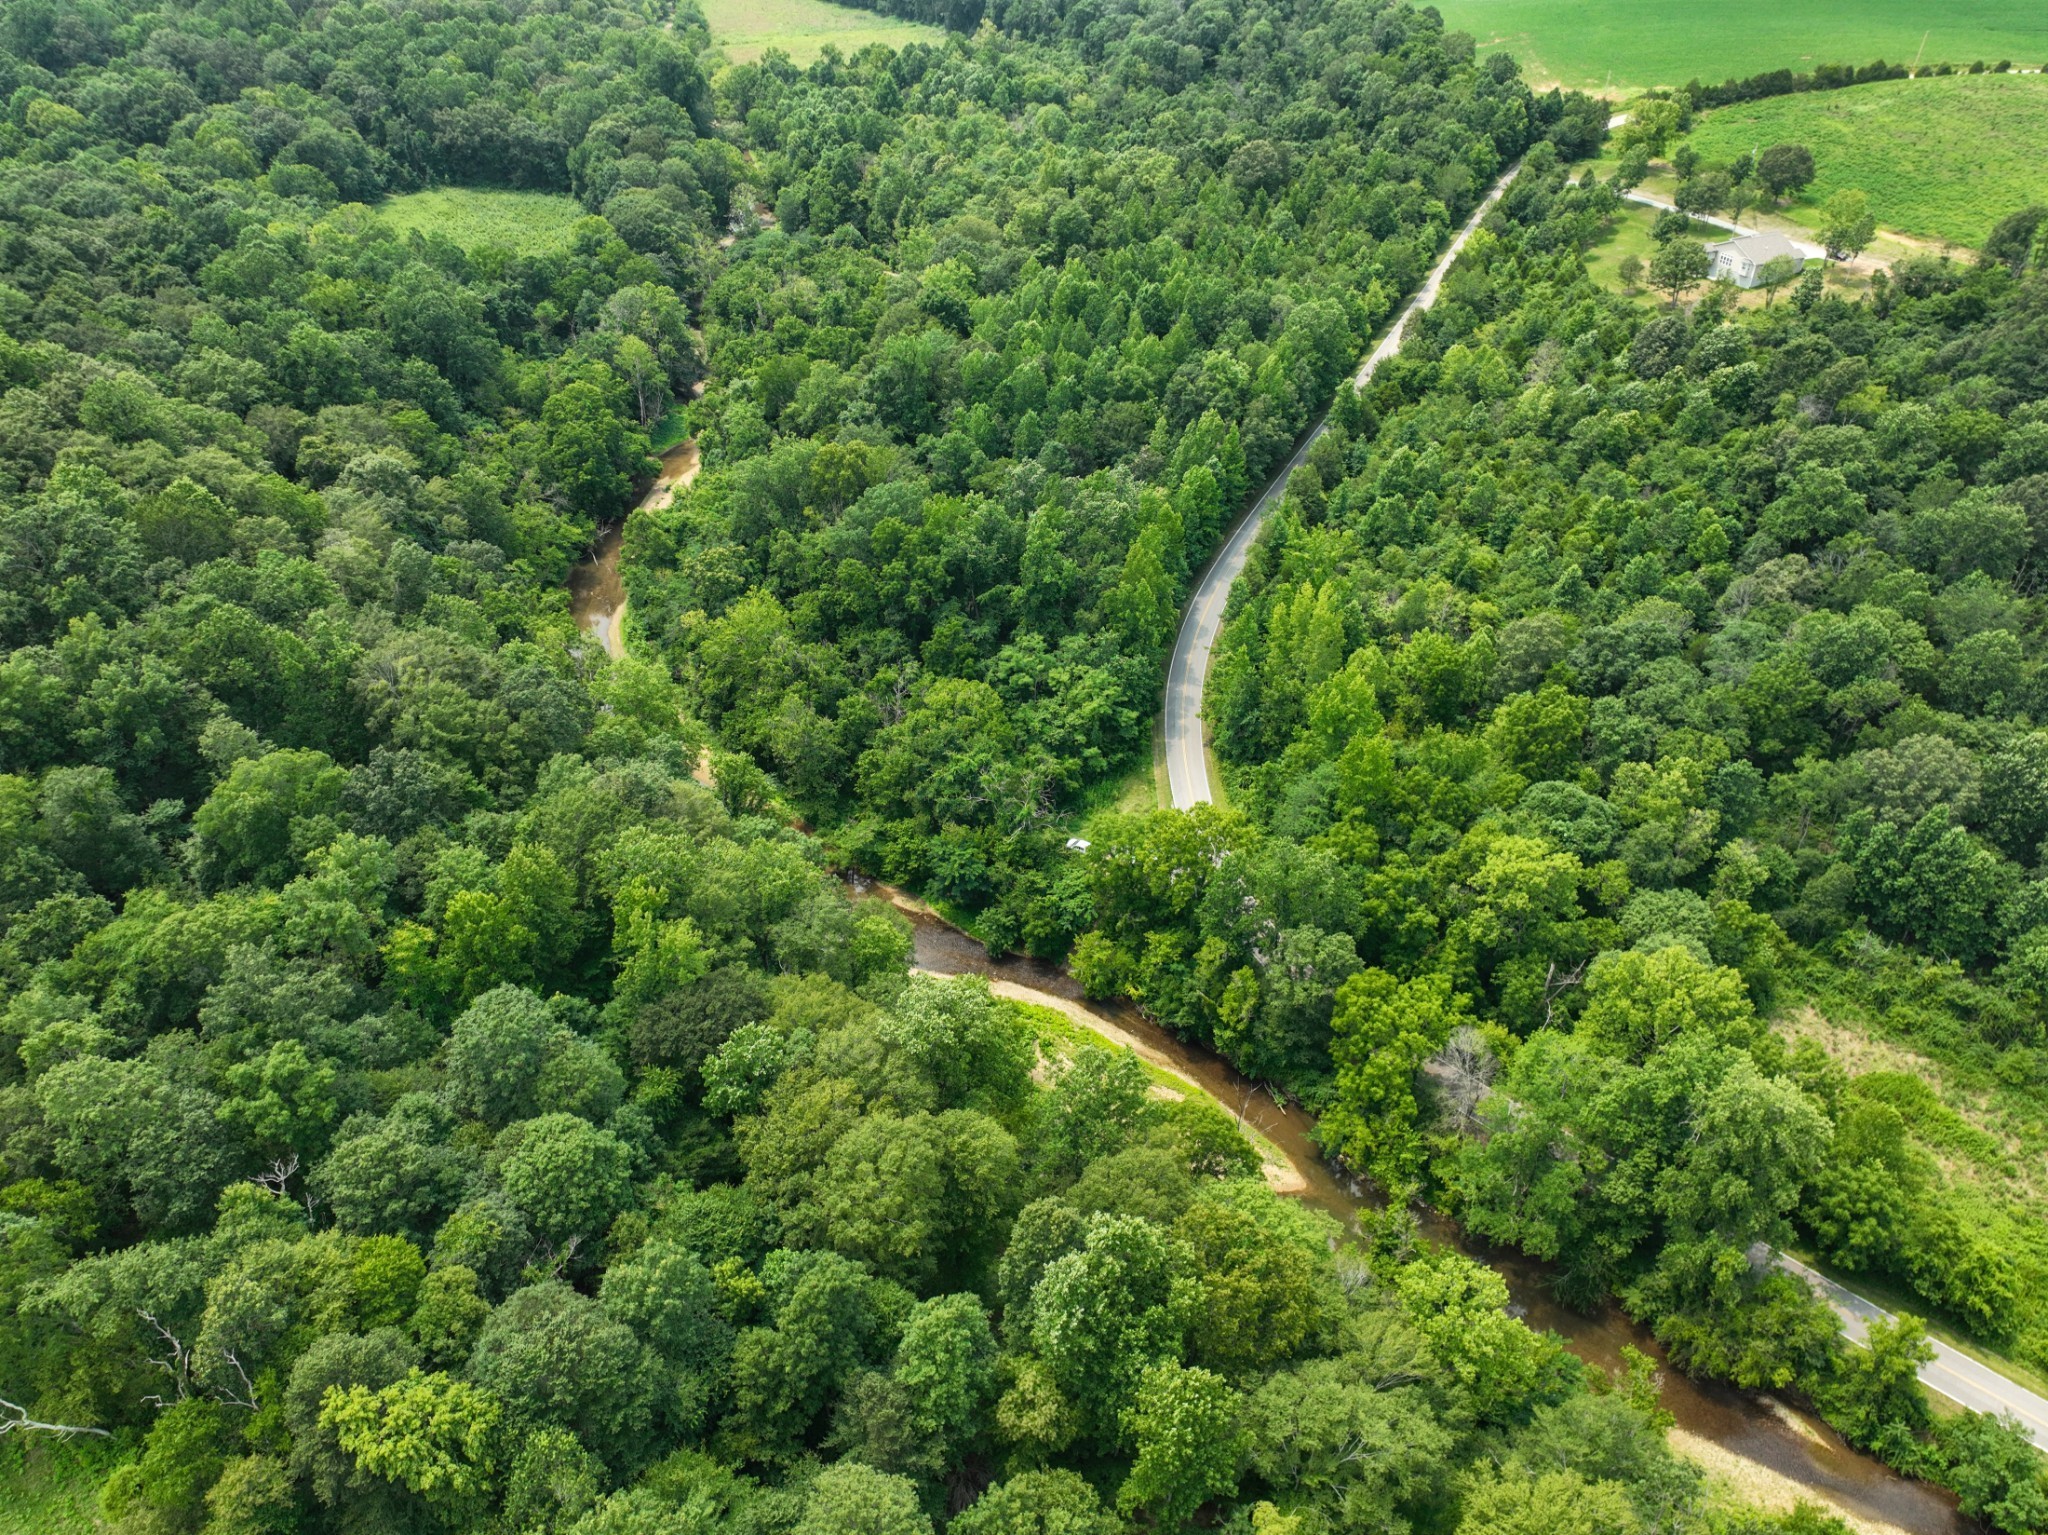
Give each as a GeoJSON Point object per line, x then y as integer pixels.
{"type": "Point", "coordinates": [746, 29]}
{"type": "Point", "coordinates": [1942, 158]}
{"type": "Point", "coordinates": [1617, 44]}
{"type": "Point", "coordinates": [525, 223]}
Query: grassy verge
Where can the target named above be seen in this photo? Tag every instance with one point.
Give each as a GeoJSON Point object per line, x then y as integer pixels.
{"type": "Point", "coordinates": [1629, 235]}
{"type": "Point", "coordinates": [746, 29]}
{"type": "Point", "coordinates": [1943, 159]}
{"type": "Point", "coordinates": [1981, 1123]}
{"type": "Point", "coordinates": [1896, 1298]}
{"type": "Point", "coordinates": [1612, 44]}
{"type": "Point", "coordinates": [525, 223]}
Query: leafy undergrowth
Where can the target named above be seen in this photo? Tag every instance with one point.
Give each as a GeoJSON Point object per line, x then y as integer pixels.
{"type": "Point", "coordinates": [50, 1488]}
{"type": "Point", "coordinates": [477, 218]}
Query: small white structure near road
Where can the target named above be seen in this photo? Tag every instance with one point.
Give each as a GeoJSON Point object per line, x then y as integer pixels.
{"type": "Point", "coordinates": [1742, 259]}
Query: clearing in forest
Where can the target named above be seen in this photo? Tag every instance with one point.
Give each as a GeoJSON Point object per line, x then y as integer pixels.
{"type": "Point", "coordinates": [746, 29]}
{"type": "Point", "coordinates": [525, 223]}
{"type": "Point", "coordinates": [1603, 44]}
{"type": "Point", "coordinates": [1942, 158]}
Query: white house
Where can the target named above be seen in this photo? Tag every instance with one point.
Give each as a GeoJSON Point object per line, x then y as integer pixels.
{"type": "Point", "coordinates": [1742, 259]}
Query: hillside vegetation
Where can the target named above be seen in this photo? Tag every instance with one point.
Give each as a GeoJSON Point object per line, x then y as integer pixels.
{"type": "Point", "coordinates": [1943, 158]}
{"type": "Point", "coordinates": [443, 1088]}
{"type": "Point", "coordinates": [1608, 682]}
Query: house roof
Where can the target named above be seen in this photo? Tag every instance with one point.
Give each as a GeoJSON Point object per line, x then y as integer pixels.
{"type": "Point", "coordinates": [1759, 247]}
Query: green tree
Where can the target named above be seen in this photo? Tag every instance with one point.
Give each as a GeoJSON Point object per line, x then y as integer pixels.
{"type": "Point", "coordinates": [589, 456]}
{"type": "Point", "coordinates": [568, 1177]}
{"type": "Point", "coordinates": [1103, 1315]}
{"type": "Point", "coordinates": [1875, 1398]}
{"type": "Point", "coordinates": [1678, 266]}
{"type": "Point", "coordinates": [1846, 225]}
{"type": "Point", "coordinates": [1553, 1503]}
{"type": "Point", "coordinates": [1184, 1423]}
{"type": "Point", "coordinates": [1383, 1030]}
{"type": "Point", "coordinates": [552, 1357]}
{"type": "Point", "coordinates": [1036, 1503]}
{"type": "Point", "coordinates": [1785, 169]}
{"type": "Point", "coordinates": [434, 1435]}
{"type": "Point", "coordinates": [852, 1499]}
{"type": "Point", "coordinates": [945, 1365]}
{"type": "Point", "coordinates": [267, 814]}
{"type": "Point", "coordinates": [1775, 273]}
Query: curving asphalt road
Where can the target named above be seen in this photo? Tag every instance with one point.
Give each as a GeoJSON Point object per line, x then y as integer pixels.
{"type": "Point", "coordinates": [1955, 1375]}
{"type": "Point", "coordinates": [1187, 763]}
{"type": "Point", "coordinates": [1805, 248]}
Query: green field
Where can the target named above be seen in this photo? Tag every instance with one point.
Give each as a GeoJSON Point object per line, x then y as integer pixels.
{"type": "Point", "coordinates": [526, 223]}
{"type": "Point", "coordinates": [746, 29]}
{"type": "Point", "coordinates": [1603, 44]}
{"type": "Point", "coordinates": [1944, 159]}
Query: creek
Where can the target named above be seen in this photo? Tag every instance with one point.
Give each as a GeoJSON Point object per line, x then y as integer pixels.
{"type": "Point", "coordinates": [597, 592]}
{"type": "Point", "coordinates": [1786, 1445]}
{"type": "Point", "coordinates": [1772, 1450]}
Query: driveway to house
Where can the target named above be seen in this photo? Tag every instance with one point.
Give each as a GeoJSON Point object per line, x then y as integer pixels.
{"type": "Point", "coordinates": [1187, 762]}
{"type": "Point", "coordinates": [1955, 1375]}
{"type": "Point", "coordinates": [1806, 248]}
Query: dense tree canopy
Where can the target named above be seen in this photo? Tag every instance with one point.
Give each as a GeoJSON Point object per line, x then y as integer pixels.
{"type": "Point", "coordinates": [428, 1104]}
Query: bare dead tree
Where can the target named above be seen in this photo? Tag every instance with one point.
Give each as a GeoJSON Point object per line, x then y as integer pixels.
{"type": "Point", "coordinates": [1462, 1074]}
{"type": "Point", "coordinates": [14, 1419]}
{"type": "Point", "coordinates": [1556, 985]}
{"type": "Point", "coordinates": [278, 1179]}
{"type": "Point", "coordinates": [552, 1261]}
{"type": "Point", "coordinates": [248, 1397]}
{"type": "Point", "coordinates": [176, 1361]}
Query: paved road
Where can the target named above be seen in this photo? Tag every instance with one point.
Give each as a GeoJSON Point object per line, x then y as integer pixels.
{"type": "Point", "coordinates": [1805, 248]}
{"type": "Point", "coordinates": [1955, 1375]}
{"type": "Point", "coordinates": [1187, 764]}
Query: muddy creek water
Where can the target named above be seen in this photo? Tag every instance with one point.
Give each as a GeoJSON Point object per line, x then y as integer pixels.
{"type": "Point", "coordinates": [597, 593]}
{"type": "Point", "coordinates": [1795, 1446]}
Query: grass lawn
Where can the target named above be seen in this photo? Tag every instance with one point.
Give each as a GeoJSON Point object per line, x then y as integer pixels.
{"type": "Point", "coordinates": [1943, 158]}
{"type": "Point", "coordinates": [1630, 236]}
{"type": "Point", "coordinates": [1602, 44]}
{"type": "Point", "coordinates": [50, 1487]}
{"type": "Point", "coordinates": [746, 29]}
{"type": "Point", "coordinates": [526, 223]}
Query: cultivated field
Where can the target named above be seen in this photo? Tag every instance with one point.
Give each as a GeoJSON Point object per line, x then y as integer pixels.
{"type": "Point", "coordinates": [746, 29]}
{"type": "Point", "coordinates": [526, 223]}
{"type": "Point", "coordinates": [1944, 159]}
{"type": "Point", "coordinates": [1595, 44]}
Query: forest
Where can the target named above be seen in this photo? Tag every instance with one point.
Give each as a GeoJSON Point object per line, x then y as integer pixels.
{"type": "Point", "coordinates": [1613, 681]}
{"type": "Point", "coordinates": [444, 1086]}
